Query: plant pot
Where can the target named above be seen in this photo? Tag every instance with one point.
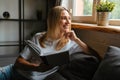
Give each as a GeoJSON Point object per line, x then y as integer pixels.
{"type": "Point", "coordinates": [102, 18]}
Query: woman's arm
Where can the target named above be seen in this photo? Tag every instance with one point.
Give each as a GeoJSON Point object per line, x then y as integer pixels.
{"type": "Point", "coordinates": [73, 37]}
{"type": "Point", "coordinates": [82, 45]}
{"type": "Point", "coordinates": [23, 64]}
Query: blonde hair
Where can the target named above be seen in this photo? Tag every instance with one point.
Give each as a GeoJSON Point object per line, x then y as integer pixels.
{"type": "Point", "coordinates": [53, 30]}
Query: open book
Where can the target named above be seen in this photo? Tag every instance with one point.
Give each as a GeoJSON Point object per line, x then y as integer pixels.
{"type": "Point", "coordinates": [33, 47]}
{"type": "Point", "coordinates": [53, 59]}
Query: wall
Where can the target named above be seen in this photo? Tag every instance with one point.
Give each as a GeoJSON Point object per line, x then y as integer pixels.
{"type": "Point", "coordinates": [99, 40]}
{"type": "Point", "coordinates": [9, 30]}
{"type": "Point", "coordinates": [31, 8]}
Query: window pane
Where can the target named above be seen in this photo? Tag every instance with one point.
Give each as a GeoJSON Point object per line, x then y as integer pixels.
{"type": "Point", "coordinates": [115, 14]}
{"type": "Point", "coordinates": [66, 3]}
{"type": "Point", "coordinates": [82, 7]}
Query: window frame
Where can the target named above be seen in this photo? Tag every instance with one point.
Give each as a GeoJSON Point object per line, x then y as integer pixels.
{"type": "Point", "coordinates": [85, 19]}
{"type": "Point", "coordinates": [91, 19]}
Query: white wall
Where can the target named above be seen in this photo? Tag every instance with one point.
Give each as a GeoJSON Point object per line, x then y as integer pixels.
{"type": "Point", "coordinates": [9, 30]}
{"type": "Point", "coordinates": [11, 6]}
{"type": "Point", "coordinates": [32, 5]}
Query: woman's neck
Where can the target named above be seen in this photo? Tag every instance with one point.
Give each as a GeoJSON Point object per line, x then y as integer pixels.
{"type": "Point", "coordinates": [54, 37]}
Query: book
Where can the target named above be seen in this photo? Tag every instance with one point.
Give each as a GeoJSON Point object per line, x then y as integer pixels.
{"type": "Point", "coordinates": [33, 47]}
{"type": "Point", "coordinates": [55, 59]}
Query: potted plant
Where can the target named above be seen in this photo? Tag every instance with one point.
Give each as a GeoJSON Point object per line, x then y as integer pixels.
{"type": "Point", "coordinates": [103, 9]}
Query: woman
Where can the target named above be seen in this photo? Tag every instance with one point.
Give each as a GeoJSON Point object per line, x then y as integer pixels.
{"type": "Point", "coordinates": [58, 38]}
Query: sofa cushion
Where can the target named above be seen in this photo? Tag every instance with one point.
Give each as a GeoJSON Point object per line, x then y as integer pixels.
{"type": "Point", "coordinates": [109, 68]}
{"type": "Point", "coordinates": [81, 67]}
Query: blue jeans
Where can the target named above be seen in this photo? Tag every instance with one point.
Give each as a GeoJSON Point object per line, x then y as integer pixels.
{"type": "Point", "coordinates": [8, 73]}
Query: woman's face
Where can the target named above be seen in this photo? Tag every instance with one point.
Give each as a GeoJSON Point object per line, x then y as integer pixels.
{"type": "Point", "coordinates": [65, 21]}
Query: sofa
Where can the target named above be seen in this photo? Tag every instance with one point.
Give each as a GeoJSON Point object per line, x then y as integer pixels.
{"type": "Point", "coordinates": [109, 68]}
{"type": "Point", "coordinates": [92, 67]}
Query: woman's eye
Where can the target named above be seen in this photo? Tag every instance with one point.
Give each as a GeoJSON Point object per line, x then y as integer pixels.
{"type": "Point", "coordinates": [63, 17]}
{"type": "Point", "coordinates": [69, 18]}
{"type": "Point", "coordinates": [66, 18]}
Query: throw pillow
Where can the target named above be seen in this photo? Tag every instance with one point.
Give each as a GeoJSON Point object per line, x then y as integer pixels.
{"type": "Point", "coordinates": [109, 68]}
{"type": "Point", "coordinates": [81, 67]}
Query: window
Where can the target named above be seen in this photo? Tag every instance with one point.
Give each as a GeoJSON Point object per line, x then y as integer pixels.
{"type": "Point", "coordinates": [115, 14]}
{"type": "Point", "coordinates": [82, 8]}
{"type": "Point", "coordinates": [85, 11]}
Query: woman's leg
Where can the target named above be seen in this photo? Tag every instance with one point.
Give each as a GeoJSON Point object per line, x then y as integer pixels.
{"type": "Point", "coordinates": [16, 75]}
{"type": "Point", "coordinates": [6, 72]}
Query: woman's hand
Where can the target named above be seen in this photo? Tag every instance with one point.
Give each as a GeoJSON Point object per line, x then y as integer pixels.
{"type": "Point", "coordinates": [23, 64]}
{"type": "Point", "coordinates": [71, 35]}
{"type": "Point", "coordinates": [43, 67]}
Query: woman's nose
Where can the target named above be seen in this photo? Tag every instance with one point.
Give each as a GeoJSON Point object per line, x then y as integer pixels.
{"type": "Point", "coordinates": [68, 21]}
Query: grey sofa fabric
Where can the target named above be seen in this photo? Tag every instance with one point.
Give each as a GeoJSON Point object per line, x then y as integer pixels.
{"type": "Point", "coordinates": [81, 67]}
{"type": "Point", "coordinates": [55, 76]}
{"type": "Point", "coordinates": [109, 69]}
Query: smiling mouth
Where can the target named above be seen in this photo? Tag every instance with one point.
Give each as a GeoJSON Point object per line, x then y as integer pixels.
{"type": "Point", "coordinates": [66, 27]}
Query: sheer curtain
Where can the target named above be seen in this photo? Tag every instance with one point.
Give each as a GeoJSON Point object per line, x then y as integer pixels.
{"type": "Point", "coordinates": [66, 3]}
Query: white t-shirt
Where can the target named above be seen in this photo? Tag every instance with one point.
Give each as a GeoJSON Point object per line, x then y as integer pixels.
{"type": "Point", "coordinates": [49, 49]}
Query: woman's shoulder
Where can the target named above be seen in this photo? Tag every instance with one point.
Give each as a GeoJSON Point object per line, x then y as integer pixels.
{"type": "Point", "coordinates": [37, 35]}
{"type": "Point", "coordinates": [40, 33]}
